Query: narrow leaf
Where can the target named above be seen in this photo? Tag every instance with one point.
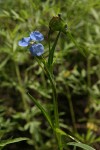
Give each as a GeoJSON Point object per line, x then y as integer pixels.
{"type": "Point", "coordinates": [65, 134]}
{"type": "Point", "coordinates": [51, 52]}
{"type": "Point", "coordinates": [9, 141]}
{"type": "Point", "coordinates": [46, 115]}
{"type": "Point", "coordinates": [81, 145]}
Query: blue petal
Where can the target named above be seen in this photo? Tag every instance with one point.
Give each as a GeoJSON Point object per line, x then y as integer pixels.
{"type": "Point", "coordinates": [36, 36]}
{"type": "Point", "coordinates": [37, 49]}
{"type": "Point", "coordinates": [24, 42]}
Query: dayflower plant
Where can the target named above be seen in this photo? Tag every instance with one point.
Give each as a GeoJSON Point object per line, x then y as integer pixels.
{"type": "Point", "coordinates": [36, 49]}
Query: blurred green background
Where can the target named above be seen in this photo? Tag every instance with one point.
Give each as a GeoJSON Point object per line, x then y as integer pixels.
{"type": "Point", "coordinates": [77, 76]}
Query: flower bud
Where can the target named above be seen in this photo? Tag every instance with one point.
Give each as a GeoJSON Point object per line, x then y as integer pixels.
{"type": "Point", "coordinates": [57, 24]}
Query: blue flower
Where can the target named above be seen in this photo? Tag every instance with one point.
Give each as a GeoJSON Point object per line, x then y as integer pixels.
{"type": "Point", "coordinates": [24, 42]}
{"type": "Point", "coordinates": [36, 49]}
{"type": "Point", "coordinates": [36, 36]}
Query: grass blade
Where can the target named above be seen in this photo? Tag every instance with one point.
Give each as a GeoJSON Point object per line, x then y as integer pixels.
{"type": "Point", "coordinates": [81, 145]}
{"type": "Point", "coordinates": [9, 141]}
{"type": "Point", "coordinates": [46, 115]}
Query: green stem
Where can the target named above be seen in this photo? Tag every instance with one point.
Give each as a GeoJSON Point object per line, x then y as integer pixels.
{"type": "Point", "coordinates": [54, 98]}
{"type": "Point", "coordinates": [43, 79]}
{"type": "Point", "coordinates": [89, 81]}
{"type": "Point", "coordinates": [53, 89]}
{"type": "Point", "coordinates": [21, 86]}
{"type": "Point", "coordinates": [55, 102]}
{"type": "Point", "coordinates": [68, 95]}
{"type": "Point", "coordinates": [49, 41]}
{"type": "Point", "coordinates": [88, 71]}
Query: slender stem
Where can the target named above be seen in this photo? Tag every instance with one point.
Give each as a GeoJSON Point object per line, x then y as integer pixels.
{"type": "Point", "coordinates": [49, 72]}
{"type": "Point", "coordinates": [53, 89]}
{"type": "Point", "coordinates": [20, 86]}
{"type": "Point", "coordinates": [98, 68]}
{"type": "Point", "coordinates": [68, 95]}
{"type": "Point", "coordinates": [54, 98]}
{"type": "Point", "coordinates": [55, 102]}
{"type": "Point", "coordinates": [49, 41]}
{"type": "Point", "coordinates": [43, 79]}
{"type": "Point", "coordinates": [88, 71]}
{"type": "Point", "coordinates": [89, 80]}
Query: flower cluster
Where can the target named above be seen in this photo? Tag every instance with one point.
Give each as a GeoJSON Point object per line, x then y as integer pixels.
{"type": "Point", "coordinates": [36, 49]}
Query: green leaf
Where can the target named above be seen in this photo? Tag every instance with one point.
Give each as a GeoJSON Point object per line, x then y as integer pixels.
{"type": "Point", "coordinates": [65, 134]}
{"type": "Point", "coordinates": [46, 115]}
{"type": "Point", "coordinates": [81, 145]}
{"type": "Point", "coordinates": [51, 52]}
{"type": "Point", "coordinates": [3, 63]}
{"type": "Point", "coordinates": [9, 141]}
